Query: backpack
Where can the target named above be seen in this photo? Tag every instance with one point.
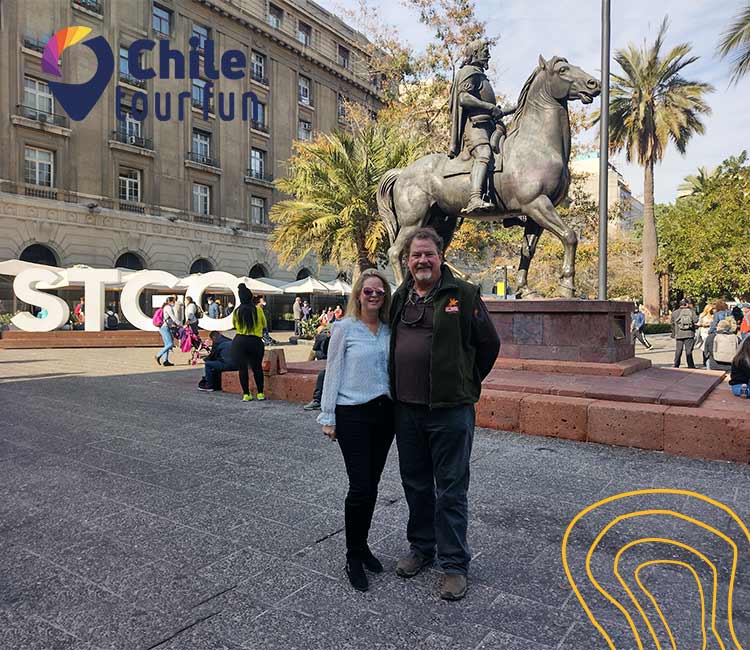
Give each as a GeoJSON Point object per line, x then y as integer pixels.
{"type": "Point", "coordinates": [158, 318]}
{"type": "Point", "coordinates": [111, 322]}
{"type": "Point", "coordinates": [685, 320]}
{"type": "Point", "coordinates": [745, 324]}
{"type": "Point", "coordinates": [725, 347]}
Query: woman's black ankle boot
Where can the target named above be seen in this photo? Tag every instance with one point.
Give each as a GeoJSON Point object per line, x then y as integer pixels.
{"type": "Point", "coordinates": [356, 573]}
{"type": "Point", "coordinates": [372, 563]}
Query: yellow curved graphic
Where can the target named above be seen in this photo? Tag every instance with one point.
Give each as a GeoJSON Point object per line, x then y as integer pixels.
{"type": "Point", "coordinates": [639, 610]}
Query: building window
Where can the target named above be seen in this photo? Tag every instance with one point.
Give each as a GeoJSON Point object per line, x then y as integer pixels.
{"type": "Point", "coordinates": [130, 126]}
{"type": "Point", "coordinates": [304, 130]}
{"type": "Point", "coordinates": [258, 211]}
{"type": "Point", "coordinates": [201, 143]}
{"type": "Point", "coordinates": [259, 115]}
{"type": "Point", "coordinates": [340, 107]}
{"type": "Point", "coordinates": [199, 93]}
{"type": "Point", "coordinates": [130, 185]}
{"type": "Point", "coordinates": [304, 33]}
{"type": "Point", "coordinates": [305, 91]}
{"type": "Point", "coordinates": [258, 67]}
{"type": "Point", "coordinates": [37, 96]}
{"type": "Point", "coordinates": [257, 163]}
{"type": "Point", "coordinates": [343, 57]}
{"type": "Point", "coordinates": [201, 32]}
{"type": "Point", "coordinates": [38, 166]}
{"type": "Point", "coordinates": [201, 199]}
{"type": "Point", "coordinates": [275, 16]}
{"type": "Point", "coordinates": [161, 20]}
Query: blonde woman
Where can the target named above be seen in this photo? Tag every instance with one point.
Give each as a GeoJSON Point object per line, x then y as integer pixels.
{"type": "Point", "coordinates": [356, 410]}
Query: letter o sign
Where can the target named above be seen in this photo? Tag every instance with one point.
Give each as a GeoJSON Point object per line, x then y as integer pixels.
{"type": "Point", "coordinates": [198, 287]}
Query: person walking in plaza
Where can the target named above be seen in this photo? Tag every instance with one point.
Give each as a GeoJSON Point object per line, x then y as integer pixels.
{"type": "Point", "coordinates": [443, 345]}
{"type": "Point", "coordinates": [79, 314]}
{"type": "Point", "coordinates": [297, 313]}
{"type": "Point", "coordinates": [165, 322]}
{"type": "Point", "coordinates": [213, 308]}
{"type": "Point", "coordinates": [219, 360]}
{"type": "Point", "coordinates": [247, 346]}
{"type": "Point", "coordinates": [306, 310]}
{"type": "Point", "coordinates": [739, 373]}
{"type": "Point", "coordinates": [191, 314]}
{"type": "Point", "coordinates": [179, 311]}
{"type": "Point", "coordinates": [684, 321]}
{"type": "Point", "coordinates": [357, 411]}
{"type": "Point", "coordinates": [637, 323]}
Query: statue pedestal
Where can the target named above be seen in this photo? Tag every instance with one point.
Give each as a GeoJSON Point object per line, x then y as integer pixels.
{"type": "Point", "coordinates": [573, 331]}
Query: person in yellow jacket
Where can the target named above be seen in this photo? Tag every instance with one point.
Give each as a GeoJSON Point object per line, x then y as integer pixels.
{"type": "Point", "coordinates": [247, 346]}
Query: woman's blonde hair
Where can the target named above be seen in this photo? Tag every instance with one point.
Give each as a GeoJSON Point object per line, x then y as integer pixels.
{"type": "Point", "coordinates": [354, 308]}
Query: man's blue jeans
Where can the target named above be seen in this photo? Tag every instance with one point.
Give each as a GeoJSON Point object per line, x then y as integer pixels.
{"type": "Point", "coordinates": [434, 449]}
{"type": "Point", "coordinates": [213, 371]}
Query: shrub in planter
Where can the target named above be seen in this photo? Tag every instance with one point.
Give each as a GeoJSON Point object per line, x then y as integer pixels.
{"type": "Point", "coordinates": [657, 328]}
{"type": "Point", "coordinates": [309, 328]}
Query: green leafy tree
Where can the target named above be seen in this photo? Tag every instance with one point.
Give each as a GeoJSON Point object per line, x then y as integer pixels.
{"type": "Point", "coordinates": [703, 237]}
{"type": "Point", "coordinates": [332, 183]}
{"type": "Point", "coordinates": [736, 42]}
{"type": "Point", "coordinates": [651, 104]}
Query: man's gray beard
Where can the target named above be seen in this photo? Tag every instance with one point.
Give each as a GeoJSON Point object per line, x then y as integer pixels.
{"type": "Point", "coordinates": [423, 274]}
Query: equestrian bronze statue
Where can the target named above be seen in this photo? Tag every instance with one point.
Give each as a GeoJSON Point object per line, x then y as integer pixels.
{"type": "Point", "coordinates": [517, 179]}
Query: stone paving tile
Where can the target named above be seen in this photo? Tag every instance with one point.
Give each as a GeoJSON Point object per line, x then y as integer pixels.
{"type": "Point", "coordinates": [119, 531]}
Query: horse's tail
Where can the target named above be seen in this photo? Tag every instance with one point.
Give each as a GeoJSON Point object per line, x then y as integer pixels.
{"type": "Point", "coordinates": [384, 197]}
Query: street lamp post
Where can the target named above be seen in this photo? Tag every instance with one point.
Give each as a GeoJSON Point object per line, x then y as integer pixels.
{"type": "Point", "coordinates": [604, 153]}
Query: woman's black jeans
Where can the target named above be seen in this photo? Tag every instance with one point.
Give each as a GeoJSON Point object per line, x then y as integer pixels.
{"type": "Point", "coordinates": [247, 351]}
{"type": "Point", "coordinates": [364, 433]}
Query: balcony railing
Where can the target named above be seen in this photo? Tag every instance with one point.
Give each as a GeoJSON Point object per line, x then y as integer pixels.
{"type": "Point", "coordinates": [255, 174]}
{"type": "Point", "coordinates": [203, 160]}
{"type": "Point", "coordinates": [129, 79]}
{"type": "Point", "coordinates": [41, 192]}
{"type": "Point", "coordinates": [259, 126]}
{"type": "Point", "coordinates": [135, 140]}
{"type": "Point", "coordinates": [44, 117]}
{"type": "Point", "coordinates": [206, 219]}
{"type": "Point", "coordinates": [90, 5]}
{"type": "Point", "coordinates": [33, 44]}
{"type": "Point", "coordinates": [129, 206]}
{"type": "Point", "coordinates": [198, 103]}
{"type": "Point", "coordinates": [257, 76]}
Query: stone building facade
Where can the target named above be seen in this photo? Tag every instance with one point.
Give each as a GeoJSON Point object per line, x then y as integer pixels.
{"type": "Point", "coordinates": [180, 196]}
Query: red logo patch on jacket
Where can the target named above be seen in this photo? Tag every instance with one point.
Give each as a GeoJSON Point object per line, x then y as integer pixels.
{"type": "Point", "coordinates": [452, 307]}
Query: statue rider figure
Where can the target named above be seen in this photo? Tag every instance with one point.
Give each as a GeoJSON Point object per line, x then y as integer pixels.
{"type": "Point", "coordinates": [474, 118]}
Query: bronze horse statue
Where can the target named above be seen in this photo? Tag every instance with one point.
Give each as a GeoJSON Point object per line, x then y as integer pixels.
{"type": "Point", "coordinates": [529, 179]}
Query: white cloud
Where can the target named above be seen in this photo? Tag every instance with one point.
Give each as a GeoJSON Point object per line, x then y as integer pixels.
{"type": "Point", "coordinates": [571, 28]}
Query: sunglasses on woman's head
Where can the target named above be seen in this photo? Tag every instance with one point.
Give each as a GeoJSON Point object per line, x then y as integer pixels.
{"type": "Point", "coordinates": [368, 291]}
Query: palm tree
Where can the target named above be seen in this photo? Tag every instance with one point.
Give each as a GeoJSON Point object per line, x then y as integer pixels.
{"type": "Point", "coordinates": [737, 40]}
{"type": "Point", "coordinates": [333, 181]}
{"type": "Point", "coordinates": [696, 183]}
{"type": "Point", "coordinates": [650, 105]}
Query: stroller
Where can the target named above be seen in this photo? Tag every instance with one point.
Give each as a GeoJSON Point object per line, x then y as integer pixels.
{"type": "Point", "coordinates": [191, 342]}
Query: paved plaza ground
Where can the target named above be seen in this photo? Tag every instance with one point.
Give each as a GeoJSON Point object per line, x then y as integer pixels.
{"type": "Point", "coordinates": [137, 513]}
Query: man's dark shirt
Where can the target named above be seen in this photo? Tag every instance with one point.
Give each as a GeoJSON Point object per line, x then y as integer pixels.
{"type": "Point", "coordinates": [220, 350]}
{"type": "Point", "coordinates": [413, 348]}
{"type": "Point", "coordinates": [320, 346]}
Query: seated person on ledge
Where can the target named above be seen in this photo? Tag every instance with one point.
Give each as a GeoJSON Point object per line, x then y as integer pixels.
{"type": "Point", "coordinates": [319, 352]}
{"type": "Point", "coordinates": [217, 361]}
{"type": "Point", "coordinates": [739, 374]}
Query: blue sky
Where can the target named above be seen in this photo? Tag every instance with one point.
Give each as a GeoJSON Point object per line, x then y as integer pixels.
{"type": "Point", "coordinates": [571, 28]}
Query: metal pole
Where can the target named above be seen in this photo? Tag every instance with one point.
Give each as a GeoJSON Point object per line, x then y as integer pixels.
{"type": "Point", "coordinates": [604, 153]}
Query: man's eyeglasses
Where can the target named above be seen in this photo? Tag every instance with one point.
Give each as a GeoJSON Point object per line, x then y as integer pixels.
{"type": "Point", "coordinates": [369, 291]}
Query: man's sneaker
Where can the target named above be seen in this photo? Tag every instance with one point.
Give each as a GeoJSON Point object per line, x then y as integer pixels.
{"type": "Point", "coordinates": [247, 398]}
{"type": "Point", "coordinates": [260, 397]}
{"type": "Point", "coordinates": [312, 406]}
{"type": "Point", "coordinates": [206, 389]}
{"type": "Point", "coordinates": [411, 565]}
{"type": "Point", "coordinates": [453, 586]}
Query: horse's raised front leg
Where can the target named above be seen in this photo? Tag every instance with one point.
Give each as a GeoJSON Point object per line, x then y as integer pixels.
{"type": "Point", "coordinates": [531, 235]}
{"type": "Point", "coordinates": [543, 212]}
{"type": "Point", "coordinates": [394, 252]}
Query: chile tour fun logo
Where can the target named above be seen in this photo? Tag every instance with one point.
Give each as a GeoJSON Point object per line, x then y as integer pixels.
{"type": "Point", "coordinates": [200, 63]}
